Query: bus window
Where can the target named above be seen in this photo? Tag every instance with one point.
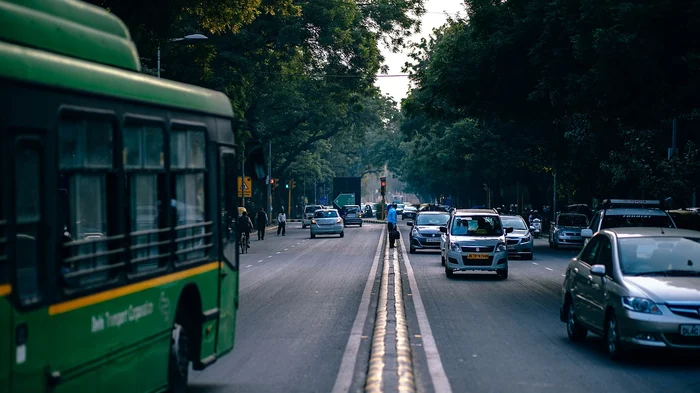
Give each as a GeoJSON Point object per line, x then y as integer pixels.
{"type": "Point", "coordinates": [28, 190]}
{"type": "Point", "coordinates": [85, 164]}
{"type": "Point", "coordinates": [144, 164]}
{"type": "Point", "coordinates": [187, 149]}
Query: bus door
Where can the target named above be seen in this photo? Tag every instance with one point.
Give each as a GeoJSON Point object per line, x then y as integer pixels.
{"type": "Point", "coordinates": [228, 265]}
{"type": "Point", "coordinates": [29, 246]}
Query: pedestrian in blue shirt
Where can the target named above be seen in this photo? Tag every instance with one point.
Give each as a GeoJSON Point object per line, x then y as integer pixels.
{"type": "Point", "coordinates": [391, 223]}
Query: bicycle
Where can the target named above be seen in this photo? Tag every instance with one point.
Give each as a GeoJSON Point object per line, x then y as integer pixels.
{"type": "Point", "coordinates": [245, 238]}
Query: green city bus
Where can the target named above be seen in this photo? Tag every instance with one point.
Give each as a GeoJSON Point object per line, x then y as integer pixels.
{"type": "Point", "coordinates": [118, 257]}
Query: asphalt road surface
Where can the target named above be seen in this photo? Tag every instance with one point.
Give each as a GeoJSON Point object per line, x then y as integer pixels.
{"type": "Point", "coordinates": [300, 298]}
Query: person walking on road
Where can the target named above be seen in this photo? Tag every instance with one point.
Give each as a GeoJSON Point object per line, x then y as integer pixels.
{"type": "Point", "coordinates": [281, 223]}
{"type": "Point", "coordinates": [391, 223]}
{"type": "Point", "coordinates": [261, 223]}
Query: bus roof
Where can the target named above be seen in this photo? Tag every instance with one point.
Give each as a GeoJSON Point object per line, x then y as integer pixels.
{"type": "Point", "coordinates": [94, 61]}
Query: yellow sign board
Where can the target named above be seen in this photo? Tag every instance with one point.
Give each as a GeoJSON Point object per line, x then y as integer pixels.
{"type": "Point", "coordinates": [245, 189]}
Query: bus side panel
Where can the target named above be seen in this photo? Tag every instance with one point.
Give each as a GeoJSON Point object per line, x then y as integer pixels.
{"type": "Point", "coordinates": [28, 367]}
{"type": "Point", "coordinates": [208, 285]}
{"type": "Point", "coordinates": [227, 319]}
{"type": "Point", "coordinates": [5, 340]}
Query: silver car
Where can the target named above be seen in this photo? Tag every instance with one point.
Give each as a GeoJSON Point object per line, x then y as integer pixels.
{"type": "Point", "coordinates": [475, 240]}
{"type": "Point", "coordinates": [519, 242]}
{"type": "Point", "coordinates": [635, 287]}
{"type": "Point", "coordinates": [326, 222]}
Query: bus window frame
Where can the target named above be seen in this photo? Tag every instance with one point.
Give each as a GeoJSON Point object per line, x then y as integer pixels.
{"type": "Point", "coordinates": [115, 221]}
{"type": "Point", "coordinates": [131, 119]}
{"type": "Point", "coordinates": [180, 125]}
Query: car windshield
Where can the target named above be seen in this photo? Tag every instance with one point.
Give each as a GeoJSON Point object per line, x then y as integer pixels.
{"type": "Point", "coordinates": [515, 222]}
{"type": "Point", "coordinates": [687, 221]}
{"type": "Point", "coordinates": [573, 220]}
{"type": "Point", "coordinates": [432, 219]}
{"type": "Point", "coordinates": [637, 220]}
{"type": "Point", "coordinates": [311, 209]}
{"type": "Point", "coordinates": [477, 226]}
{"type": "Point", "coordinates": [660, 256]}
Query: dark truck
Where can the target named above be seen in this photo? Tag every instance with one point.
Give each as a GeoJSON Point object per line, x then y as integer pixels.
{"type": "Point", "coordinates": [566, 230]}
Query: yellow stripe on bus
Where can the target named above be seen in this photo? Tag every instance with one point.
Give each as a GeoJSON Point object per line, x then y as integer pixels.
{"type": "Point", "coordinates": [5, 290]}
{"type": "Point", "coordinates": [71, 305]}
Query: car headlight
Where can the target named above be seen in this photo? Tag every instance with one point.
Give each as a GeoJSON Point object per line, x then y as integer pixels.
{"type": "Point", "coordinates": [313, 221]}
{"type": "Point", "coordinates": [455, 247]}
{"type": "Point", "coordinates": [415, 233]}
{"type": "Point", "coordinates": [526, 239]}
{"type": "Point", "coordinates": [640, 304]}
{"type": "Point", "coordinates": [501, 247]}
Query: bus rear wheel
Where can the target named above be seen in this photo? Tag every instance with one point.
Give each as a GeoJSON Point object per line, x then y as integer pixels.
{"type": "Point", "coordinates": [179, 365]}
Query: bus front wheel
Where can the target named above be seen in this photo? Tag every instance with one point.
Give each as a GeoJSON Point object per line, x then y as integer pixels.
{"type": "Point", "coordinates": [179, 367]}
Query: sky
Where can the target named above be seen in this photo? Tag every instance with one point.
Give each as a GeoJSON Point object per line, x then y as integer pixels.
{"type": "Point", "coordinates": [434, 17]}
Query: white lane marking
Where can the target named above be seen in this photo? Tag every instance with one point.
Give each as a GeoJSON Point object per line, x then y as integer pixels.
{"type": "Point", "coordinates": [347, 365]}
{"type": "Point", "coordinates": [287, 249]}
{"type": "Point", "coordinates": [298, 243]}
{"type": "Point", "coordinates": [260, 261]}
{"type": "Point", "coordinates": [550, 269]}
{"type": "Point", "coordinates": [563, 275]}
{"type": "Point", "coordinates": [269, 256]}
{"type": "Point", "coordinates": [535, 263]}
{"type": "Point", "coordinates": [249, 266]}
{"type": "Point", "coordinates": [292, 245]}
{"type": "Point", "coordinates": [437, 372]}
{"type": "Point", "coordinates": [279, 252]}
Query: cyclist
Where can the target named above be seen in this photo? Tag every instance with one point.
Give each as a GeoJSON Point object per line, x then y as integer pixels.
{"type": "Point", "coordinates": [245, 226]}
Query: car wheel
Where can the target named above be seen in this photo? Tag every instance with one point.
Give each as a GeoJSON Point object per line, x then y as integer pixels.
{"type": "Point", "coordinates": [360, 225]}
{"type": "Point", "coordinates": [342, 234]}
{"type": "Point", "coordinates": [574, 330]}
{"type": "Point", "coordinates": [178, 367]}
{"type": "Point", "coordinates": [449, 273]}
{"type": "Point", "coordinates": [412, 250]}
{"type": "Point", "coordinates": [443, 260]}
{"type": "Point", "coordinates": [613, 344]}
{"type": "Point", "coordinates": [502, 273]}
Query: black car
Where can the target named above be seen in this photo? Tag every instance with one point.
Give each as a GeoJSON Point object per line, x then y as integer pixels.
{"type": "Point", "coordinates": [425, 234]}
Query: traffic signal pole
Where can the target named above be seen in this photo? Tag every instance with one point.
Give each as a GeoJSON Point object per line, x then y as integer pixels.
{"type": "Point", "coordinates": [269, 184]}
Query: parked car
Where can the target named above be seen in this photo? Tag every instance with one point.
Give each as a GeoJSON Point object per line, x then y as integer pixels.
{"type": "Point", "coordinates": [566, 230]}
{"type": "Point", "coordinates": [476, 240]}
{"type": "Point", "coordinates": [326, 222]}
{"type": "Point", "coordinates": [626, 213]}
{"type": "Point", "coordinates": [309, 211]}
{"type": "Point", "coordinates": [409, 212]}
{"type": "Point", "coordinates": [520, 242]}
{"type": "Point", "coordinates": [353, 215]}
{"type": "Point", "coordinates": [636, 287]}
{"type": "Point", "coordinates": [425, 232]}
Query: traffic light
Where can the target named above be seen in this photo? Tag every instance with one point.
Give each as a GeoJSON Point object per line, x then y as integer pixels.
{"type": "Point", "coordinates": [273, 183]}
{"type": "Point", "coordinates": [286, 185]}
{"type": "Point", "coordinates": [294, 184]}
{"type": "Point", "coordinates": [383, 188]}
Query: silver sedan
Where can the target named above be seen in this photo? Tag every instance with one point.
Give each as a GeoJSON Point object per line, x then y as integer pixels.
{"type": "Point", "coordinates": [635, 287]}
{"type": "Point", "coordinates": [326, 222]}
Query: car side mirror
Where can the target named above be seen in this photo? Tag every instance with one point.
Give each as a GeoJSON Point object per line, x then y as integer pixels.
{"type": "Point", "coordinates": [443, 229]}
{"type": "Point", "coordinates": [598, 270]}
{"type": "Point", "coordinates": [587, 233]}
{"type": "Point", "coordinates": [410, 223]}
{"type": "Point", "coordinates": [509, 230]}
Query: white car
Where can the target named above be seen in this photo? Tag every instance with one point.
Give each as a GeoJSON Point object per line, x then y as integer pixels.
{"type": "Point", "coordinates": [309, 211]}
{"type": "Point", "coordinates": [476, 240]}
{"type": "Point", "coordinates": [326, 222]}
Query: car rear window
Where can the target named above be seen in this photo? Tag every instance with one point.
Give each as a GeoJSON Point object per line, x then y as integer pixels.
{"type": "Point", "coordinates": [352, 209]}
{"type": "Point", "coordinates": [311, 209]}
{"type": "Point", "coordinates": [326, 214]}
{"type": "Point", "coordinates": [636, 220]}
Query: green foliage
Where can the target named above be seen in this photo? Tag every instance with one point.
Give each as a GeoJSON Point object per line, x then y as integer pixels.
{"type": "Point", "coordinates": [586, 89]}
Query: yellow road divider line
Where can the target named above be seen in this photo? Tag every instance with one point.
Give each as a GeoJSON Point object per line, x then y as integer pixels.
{"type": "Point", "coordinates": [403, 345]}
{"type": "Point", "coordinates": [375, 374]}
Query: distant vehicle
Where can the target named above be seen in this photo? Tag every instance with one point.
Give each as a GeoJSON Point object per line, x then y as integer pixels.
{"type": "Point", "coordinates": [520, 242]}
{"type": "Point", "coordinates": [566, 230]}
{"type": "Point", "coordinates": [309, 211]}
{"type": "Point", "coordinates": [686, 219]}
{"type": "Point", "coordinates": [399, 208]}
{"type": "Point", "coordinates": [476, 240]}
{"type": "Point", "coordinates": [409, 212]}
{"type": "Point", "coordinates": [626, 213]}
{"type": "Point", "coordinates": [425, 232]}
{"type": "Point", "coordinates": [326, 222]}
{"type": "Point", "coordinates": [353, 215]}
{"type": "Point", "coordinates": [636, 287]}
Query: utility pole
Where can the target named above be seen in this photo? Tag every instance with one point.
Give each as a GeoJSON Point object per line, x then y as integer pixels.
{"type": "Point", "coordinates": [673, 149]}
{"type": "Point", "coordinates": [269, 183]}
{"type": "Point", "coordinates": [554, 202]}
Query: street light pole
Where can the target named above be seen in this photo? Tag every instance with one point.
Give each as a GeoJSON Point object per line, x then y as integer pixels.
{"type": "Point", "coordinates": [191, 37]}
{"type": "Point", "coordinates": [269, 184]}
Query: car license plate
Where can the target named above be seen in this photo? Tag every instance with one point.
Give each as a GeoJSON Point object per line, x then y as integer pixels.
{"type": "Point", "coordinates": [690, 330]}
{"type": "Point", "coordinates": [477, 256]}
{"type": "Point", "coordinates": [434, 240]}
{"type": "Point", "coordinates": [511, 247]}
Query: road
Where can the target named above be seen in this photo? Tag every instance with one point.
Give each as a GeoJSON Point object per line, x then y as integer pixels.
{"type": "Point", "coordinates": [299, 298]}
